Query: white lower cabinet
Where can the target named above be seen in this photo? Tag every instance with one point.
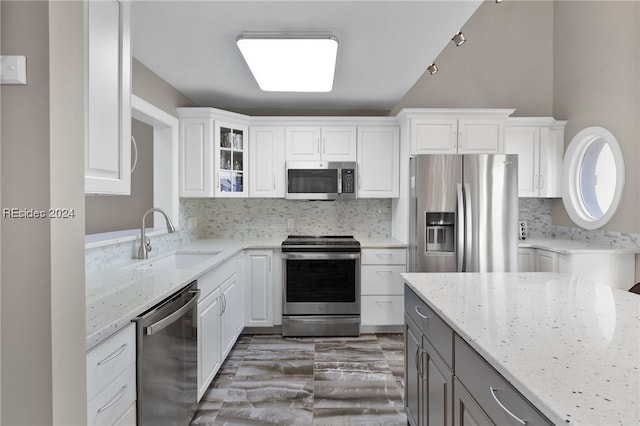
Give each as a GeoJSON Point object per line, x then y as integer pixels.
{"type": "Point", "coordinates": [111, 380]}
{"type": "Point", "coordinates": [546, 261]}
{"type": "Point", "coordinates": [382, 288]}
{"type": "Point", "coordinates": [526, 260]}
{"type": "Point", "coordinates": [220, 319]}
{"type": "Point", "coordinates": [259, 288]}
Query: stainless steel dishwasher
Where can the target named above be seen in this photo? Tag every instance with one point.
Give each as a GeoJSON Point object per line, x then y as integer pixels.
{"type": "Point", "coordinates": [167, 360]}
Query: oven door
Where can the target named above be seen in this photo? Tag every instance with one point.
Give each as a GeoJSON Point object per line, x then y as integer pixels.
{"type": "Point", "coordinates": [321, 283]}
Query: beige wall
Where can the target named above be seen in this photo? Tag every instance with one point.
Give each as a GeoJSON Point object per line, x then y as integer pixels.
{"type": "Point", "coordinates": [597, 83]}
{"type": "Point", "coordinates": [149, 86]}
{"type": "Point", "coordinates": [507, 62]}
{"type": "Point", "coordinates": [42, 266]}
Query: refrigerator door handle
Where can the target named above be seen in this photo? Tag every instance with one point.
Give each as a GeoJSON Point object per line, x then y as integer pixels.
{"type": "Point", "coordinates": [460, 224]}
{"type": "Point", "coordinates": [468, 225]}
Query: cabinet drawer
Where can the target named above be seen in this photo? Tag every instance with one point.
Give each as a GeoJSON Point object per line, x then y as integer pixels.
{"type": "Point", "coordinates": [109, 359]}
{"type": "Point", "coordinates": [383, 257]}
{"type": "Point", "coordinates": [113, 401]}
{"type": "Point", "coordinates": [439, 334]}
{"type": "Point", "coordinates": [381, 310]}
{"type": "Point", "coordinates": [382, 279]}
{"type": "Point", "coordinates": [213, 279]}
{"type": "Point", "coordinates": [488, 387]}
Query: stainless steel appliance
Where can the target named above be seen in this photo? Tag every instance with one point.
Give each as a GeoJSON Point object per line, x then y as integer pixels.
{"type": "Point", "coordinates": [321, 286]}
{"type": "Point", "coordinates": [320, 180]}
{"type": "Point", "coordinates": [167, 360]}
{"type": "Point", "coordinates": [464, 213]}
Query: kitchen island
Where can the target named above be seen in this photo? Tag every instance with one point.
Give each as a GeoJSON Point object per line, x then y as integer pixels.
{"type": "Point", "coordinates": [569, 346]}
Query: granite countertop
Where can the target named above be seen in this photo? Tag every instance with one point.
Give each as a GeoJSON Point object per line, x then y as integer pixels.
{"type": "Point", "coordinates": [574, 247]}
{"type": "Point", "coordinates": [116, 296]}
{"type": "Point", "coordinates": [570, 346]}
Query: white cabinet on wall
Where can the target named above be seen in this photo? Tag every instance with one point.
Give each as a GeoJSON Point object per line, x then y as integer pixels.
{"type": "Point", "coordinates": [328, 143]}
{"type": "Point", "coordinates": [378, 162]}
{"type": "Point", "coordinates": [266, 162]}
{"type": "Point", "coordinates": [455, 131]}
{"type": "Point", "coordinates": [213, 153]}
{"type": "Point", "coordinates": [108, 116]}
{"type": "Point", "coordinates": [259, 288]}
{"type": "Point", "coordinates": [539, 143]}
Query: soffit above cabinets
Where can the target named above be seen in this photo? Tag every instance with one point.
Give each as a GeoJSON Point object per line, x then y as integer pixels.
{"type": "Point", "coordinates": [384, 47]}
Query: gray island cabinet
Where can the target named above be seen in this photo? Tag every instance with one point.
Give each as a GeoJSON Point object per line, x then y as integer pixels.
{"type": "Point", "coordinates": [519, 349]}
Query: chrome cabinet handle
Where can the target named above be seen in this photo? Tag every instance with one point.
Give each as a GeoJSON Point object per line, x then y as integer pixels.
{"type": "Point", "coordinates": [541, 181]}
{"type": "Point", "coordinates": [417, 309]}
{"type": "Point", "coordinates": [115, 399]}
{"type": "Point", "coordinates": [113, 356]}
{"type": "Point", "coordinates": [383, 272]}
{"type": "Point", "coordinates": [493, 393]}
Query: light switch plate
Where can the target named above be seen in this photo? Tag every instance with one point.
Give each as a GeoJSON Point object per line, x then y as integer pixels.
{"type": "Point", "coordinates": [13, 69]}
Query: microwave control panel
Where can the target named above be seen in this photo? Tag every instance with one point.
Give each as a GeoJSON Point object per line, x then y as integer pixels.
{"type": "Point", "coordinates": [348, 181]}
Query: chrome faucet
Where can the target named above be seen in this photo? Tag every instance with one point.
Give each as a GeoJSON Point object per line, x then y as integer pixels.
{"type": "Point", "coordinates": [145, 243]}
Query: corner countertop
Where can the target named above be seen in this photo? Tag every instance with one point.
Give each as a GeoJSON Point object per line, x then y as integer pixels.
{"type": "Point", "coordinates": [114, 297]}
{"type": "Point", "coordinates": [564, 246]}
{"type": "Point", "coordinates": [570, 346]}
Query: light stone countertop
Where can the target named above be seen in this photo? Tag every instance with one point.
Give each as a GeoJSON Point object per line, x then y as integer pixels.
{"type": "Point", "coordinates": [114, 297]}
{"type": "Point", "coordinates": [570, 346]}
{"type": "Point", "coordinates": [574, 247]}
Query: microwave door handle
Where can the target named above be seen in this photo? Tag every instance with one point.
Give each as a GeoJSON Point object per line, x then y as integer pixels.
{"type": "Point", "coordinates": [339, 181]}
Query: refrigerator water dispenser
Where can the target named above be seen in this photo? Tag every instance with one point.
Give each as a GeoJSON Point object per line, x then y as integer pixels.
{"type": "Point", "coordinates": [440, 231]}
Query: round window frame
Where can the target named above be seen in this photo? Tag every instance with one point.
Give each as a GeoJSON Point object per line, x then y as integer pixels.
{"type": "Point", "coordinates": [571, 194]}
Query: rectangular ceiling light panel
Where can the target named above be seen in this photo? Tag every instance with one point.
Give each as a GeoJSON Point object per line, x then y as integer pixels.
{"type": "Point", "coordinates": [291, 64]}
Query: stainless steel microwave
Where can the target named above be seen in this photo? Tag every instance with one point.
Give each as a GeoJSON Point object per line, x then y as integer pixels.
{"type": "Point", "coordinates": [321, 180]}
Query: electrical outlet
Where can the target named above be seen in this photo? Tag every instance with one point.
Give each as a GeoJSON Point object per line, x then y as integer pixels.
{"type": "Point", "coordinates": [290, 223]}
{"type": "Point", "coordinates": [192, 223]}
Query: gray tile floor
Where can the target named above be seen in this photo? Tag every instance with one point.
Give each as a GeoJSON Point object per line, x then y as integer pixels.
{"type": "Point", "coordinates": [271, 380]}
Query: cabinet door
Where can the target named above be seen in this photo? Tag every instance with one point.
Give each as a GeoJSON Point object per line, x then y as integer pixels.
{"type": "Point", "coordinates": [259, 288]}
{"type": "Point", "coordinates": [209, 359]}
{"type": "Point", "coordinates": [526, 260]}
{"type": "Point", "coordinates": [378, 162]}
{"type": "Point", "coordinates": [551, 153]}
{"type": "Point", "coordinates": [439, 388]}
{"type": "Point", "coordinates": [480, 136]}
{"type": "Point", "coordinates": [525, 141]}
{"type": "Point", "coordinates": [266, 162]}
{"type": "Point", "coordinates": [434, 136]}
{"type": "Point", "coordinates": [413, 392]}
{"type": "Point", "coordinates": [466, 411]}
{"type": "Point", "coordinates": [196, 157]}
{"type": "Point", "coordinates": [338, 144]}
{"type": "Point", "coordinates": [302, 143]}
{"type": "Point", "coordinates": [108, 142]}
{"type": "Point", "coordinates": [232, 309]}
{"type": "Point", "coordinates": [231, 160]}
{"type": "Point", "coordinates": [546, 261]}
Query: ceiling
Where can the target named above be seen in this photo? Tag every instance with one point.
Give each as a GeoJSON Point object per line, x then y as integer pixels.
{"type": "Point", "coordinates": [384, 47]}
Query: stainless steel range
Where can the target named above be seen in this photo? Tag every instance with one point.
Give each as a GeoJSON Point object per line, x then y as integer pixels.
{"type": "Point", "coordinates": [321, 286]}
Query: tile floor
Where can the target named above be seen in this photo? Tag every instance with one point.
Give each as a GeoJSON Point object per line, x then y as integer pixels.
{"type": "Point", "coordinates": [271, 380]}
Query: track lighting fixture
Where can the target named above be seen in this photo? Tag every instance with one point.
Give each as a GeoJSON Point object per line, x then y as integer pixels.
{"type": "Point", "coordinates": [432, 69]}
{"type": "Point", "coordinates": [499, 1]}
{"type": "Point", "coordinates": [459, 39]}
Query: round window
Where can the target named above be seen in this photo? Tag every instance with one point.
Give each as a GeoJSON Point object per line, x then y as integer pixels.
{"type": "Point", "coordinates": [593, 177]}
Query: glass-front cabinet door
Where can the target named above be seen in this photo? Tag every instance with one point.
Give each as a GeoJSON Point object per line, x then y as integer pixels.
{"type": "Point", "coordinates": [231, 148]}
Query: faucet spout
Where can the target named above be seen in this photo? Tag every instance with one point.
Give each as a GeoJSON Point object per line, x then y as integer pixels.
{"type": "Point", "coordinates": [145, 244]}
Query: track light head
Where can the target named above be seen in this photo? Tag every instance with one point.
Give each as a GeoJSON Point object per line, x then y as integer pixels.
{"type": "Point", "coordinates": [459, 39]}
{"type": "Point", "coordinates": [499, 1]}
{"type": "Point", "coordinates": [432, 69]}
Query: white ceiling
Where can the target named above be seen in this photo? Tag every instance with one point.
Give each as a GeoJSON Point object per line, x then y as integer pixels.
{"type": "Point", "coordinates": [384, 47]}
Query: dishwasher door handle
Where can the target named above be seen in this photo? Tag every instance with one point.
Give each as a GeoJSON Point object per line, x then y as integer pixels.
{"type": "Point", "coordinates": [177, 314]}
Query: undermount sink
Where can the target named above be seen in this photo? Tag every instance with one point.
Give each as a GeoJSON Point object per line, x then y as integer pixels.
{"type": "Point", "coordinates": [179, 260]}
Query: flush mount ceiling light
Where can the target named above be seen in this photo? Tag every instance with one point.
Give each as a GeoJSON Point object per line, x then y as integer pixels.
{"type": "Point", "coordinates": [432, 69]}
{"type": "Point", "coordinates": [459, 39]}
{"type": "Point", "coordinates": [286, 62]}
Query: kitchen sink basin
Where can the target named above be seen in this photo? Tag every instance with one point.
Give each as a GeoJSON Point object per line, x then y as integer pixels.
{"type": "Point", "coordinates": [179, 260]}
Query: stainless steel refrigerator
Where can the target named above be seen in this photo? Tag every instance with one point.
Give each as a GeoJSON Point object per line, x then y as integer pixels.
{"type": "Point", "coordinates": [464, 213]}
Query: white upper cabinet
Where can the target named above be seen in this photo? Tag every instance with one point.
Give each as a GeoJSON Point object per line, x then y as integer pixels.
{"type": "Point", "coordinates": [266, 162]}
{"type": "Point", "coordinates": [539, 143]}
{"type": "Point", "coordinates": [108, 116]}
{"type": "Point", "coordinates": [455, 131]}
{"type": "Point", "coordinates": [213, 153]}
{"type": "Point", "coordinates": [321, 143]}
{"type": "Point", "coordinates": [378, 162]}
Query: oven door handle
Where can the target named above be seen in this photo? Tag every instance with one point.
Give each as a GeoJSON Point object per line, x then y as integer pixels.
{"type": "Point", "coordinates": [320, 256]}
